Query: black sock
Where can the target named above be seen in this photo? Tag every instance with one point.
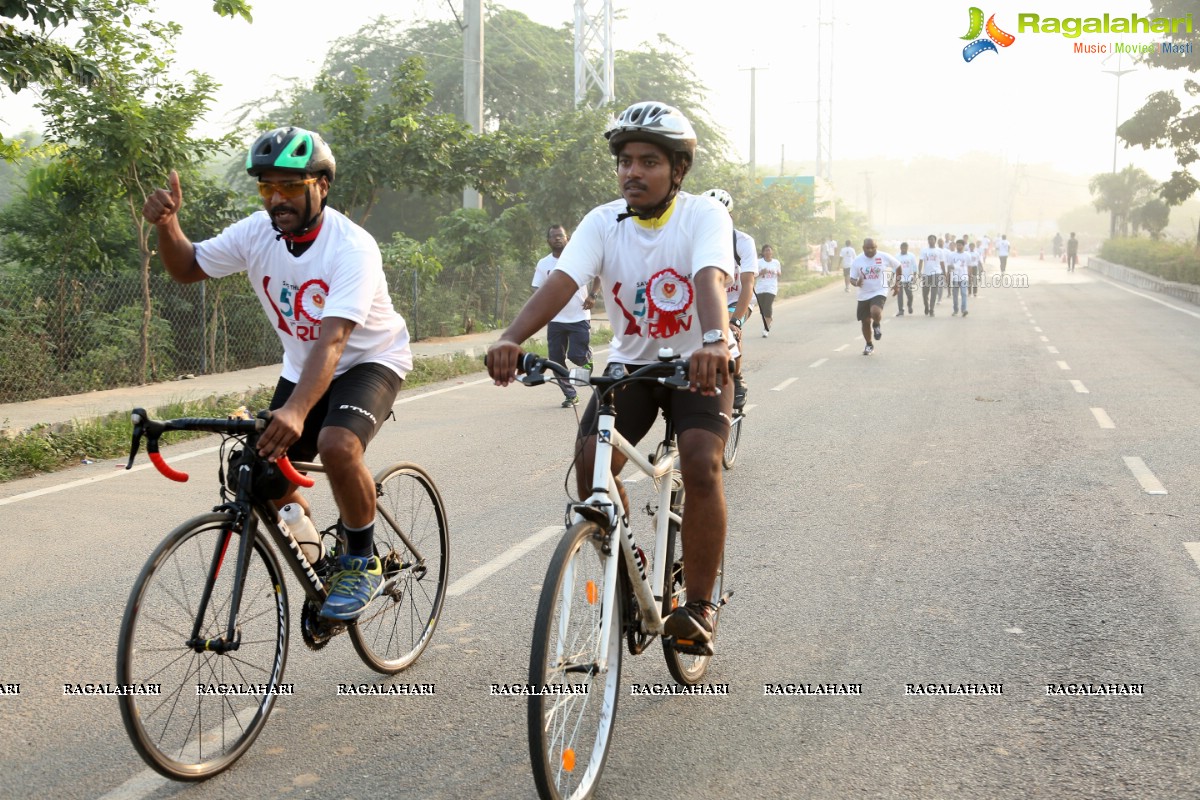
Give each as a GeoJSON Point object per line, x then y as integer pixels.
{"type": "Point", "coordinates": [360, 542]}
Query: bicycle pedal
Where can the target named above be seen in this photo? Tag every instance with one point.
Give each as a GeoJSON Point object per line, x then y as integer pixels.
{"type": "Point", "coordinates": [689, 646]}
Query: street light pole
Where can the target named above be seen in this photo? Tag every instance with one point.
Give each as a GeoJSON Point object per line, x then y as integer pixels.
{"type": "Point", "coordinates": [1112, 225]}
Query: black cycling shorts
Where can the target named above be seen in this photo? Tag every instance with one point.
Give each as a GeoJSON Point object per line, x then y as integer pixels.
{"type": "Point", "coordinates": [359, 400]}
{"type": "Point", "coordinates": [638, 403]}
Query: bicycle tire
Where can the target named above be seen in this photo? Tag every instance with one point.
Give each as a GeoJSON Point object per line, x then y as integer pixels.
{"type": "Point", "coordinates": [685, 668]}
{"type": "Point", "coordinates": [731, 444]}
{"type": "Point", "coordinates": [570, 734]}
{"type": "Point", "coordinates": [173, 730]}
{"type": "Point", "coordinates": [396, 627]}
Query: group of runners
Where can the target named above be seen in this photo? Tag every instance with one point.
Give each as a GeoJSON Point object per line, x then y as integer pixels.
{"type": "Point", "coordinates": [948, 264]}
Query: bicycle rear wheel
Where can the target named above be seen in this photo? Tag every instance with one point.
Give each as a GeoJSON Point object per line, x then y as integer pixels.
{"type": "Point", "coordinates": [685, 668]}
{"type": "Point", "coordinates": [397, 626]}
{"type": "Point", "coordinates": [183, 733]}
{"type": "Point", "coordinates": [570, 726]}
{"type": "Point", "coordinates": [731, 444]}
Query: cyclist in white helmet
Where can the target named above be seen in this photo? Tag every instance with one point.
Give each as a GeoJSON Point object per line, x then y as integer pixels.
{"type": "Point", "coordinates": [738, 292]}
{"type": "Point", "coordinates": [663, 258]}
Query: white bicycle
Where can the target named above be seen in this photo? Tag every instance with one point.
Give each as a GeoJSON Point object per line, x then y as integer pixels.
{"type": "Point", "coordinates": [592, 596]}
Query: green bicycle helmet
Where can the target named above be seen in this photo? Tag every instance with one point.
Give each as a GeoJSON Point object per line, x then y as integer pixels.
{"type": "Point", "coordinates": [293, 149]}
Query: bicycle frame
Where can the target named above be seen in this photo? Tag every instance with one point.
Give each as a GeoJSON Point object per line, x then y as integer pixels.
{"type": "Point", "coordinates": [648, 589]}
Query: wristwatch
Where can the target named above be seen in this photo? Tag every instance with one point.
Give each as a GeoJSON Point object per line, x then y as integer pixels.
{"type": "Point", "coordinates": [713, 336]}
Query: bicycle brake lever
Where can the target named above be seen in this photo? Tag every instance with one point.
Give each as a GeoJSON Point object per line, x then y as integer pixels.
{"type": "Point", "coordinates": [138, 416]}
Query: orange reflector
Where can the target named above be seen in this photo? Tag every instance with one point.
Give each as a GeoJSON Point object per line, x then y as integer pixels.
{"type": "Point", "coordinates": [568, 759]}
{"type": "Point", "coordinates": [591, 598]}
{"type": "Point", "coordinates": [685, 642]}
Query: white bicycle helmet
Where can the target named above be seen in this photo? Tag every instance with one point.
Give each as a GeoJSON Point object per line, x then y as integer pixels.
{"type": "Point", "coordinates": [721, 196]}
{"type": "Point", "coordinates": [658, 123]}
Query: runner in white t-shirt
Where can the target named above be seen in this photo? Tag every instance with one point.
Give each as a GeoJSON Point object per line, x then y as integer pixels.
{"type": "Point", "coordinates": [320, 280]}
{"type": "Point", "coordinates": [958, 264]}
{"type": "Point", "coordinates": [869, 272]}
{"type": "Point", "coordinates": [1002, 249]}
{"type": "Point", "coordinates": [933, 273]}
{"type": "Point", "coordinates": [903, 287]}
{"type": "Point", "coordinates": [766, 285]}
{"type": "Point", "coordinates": [974, 262]}
{"type": "Point", "coordinates": [569, 334]}
{"type": "Point", "coordinates": [847, 255]}
{"type": "Point", "coordinates": [663, 257]}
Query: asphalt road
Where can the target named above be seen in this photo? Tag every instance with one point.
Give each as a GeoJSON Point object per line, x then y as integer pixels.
{"type": "Point", "coordinates": [958, 508]}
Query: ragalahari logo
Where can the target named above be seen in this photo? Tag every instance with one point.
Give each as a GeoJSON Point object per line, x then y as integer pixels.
{"type": "Point", "coordinates": [995, 36]}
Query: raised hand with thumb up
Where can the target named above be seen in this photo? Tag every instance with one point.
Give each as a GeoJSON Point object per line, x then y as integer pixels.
{"type": "Point", "coordinates": [162, 205]}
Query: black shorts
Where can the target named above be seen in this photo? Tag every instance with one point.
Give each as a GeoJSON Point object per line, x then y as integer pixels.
{"type": "Point", "coordinates": [638, 403]}
{"type": "Point", "coordinates": [864, 306]}
{"type": "Point", "coordinates": [765, 301]}
{"type": "Point", "coordinates": [359, 399]}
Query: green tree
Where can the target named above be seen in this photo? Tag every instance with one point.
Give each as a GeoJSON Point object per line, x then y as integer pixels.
{"type": "Point", "coordinates": [32, 57]}
{"type": "Point", "coordinates": [1154, 215]}
{"type": "Point", "coordinates": [1119, 193]}
{"type": "Point", "coordinates": [1164, 121]}
{"type": "Point", "coordinates": [133, 126]}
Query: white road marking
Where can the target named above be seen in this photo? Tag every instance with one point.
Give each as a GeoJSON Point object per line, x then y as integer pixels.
{"type": "Point", "coordinates": [478, 575]}
{"type": "Point", "coordinates": [1151, 298]}
{"type": "Point", "coordinates": [1102, 418]}
{"type": "Point", "coordinates": [1052, 349]}
{"type": "Point", "coordinates": [1193, 549]}
{"type": "Point", "coordinates": [1044, 338]}
{"type": "Point", "coordinates": [1063, 365]}
{"type": "Point", "coordinates": [16, 498]}
{"type": "Point", "coordinates": [817, 363]}
{"type": "Point", "coordinates": [1079, 387]}
{"type": "Point", "coordinates": [840, 349]}
{"type": "Point", "coordinates": [1144, 476]}
{"type": "Point", "coordinates": [423, 395]}
{"type": "Point", "coordinates": [784, 385]}
{"type": "Point", "coordinates": [1033, 322]}
{"type": "Point", "coordinates": [1039, 330]}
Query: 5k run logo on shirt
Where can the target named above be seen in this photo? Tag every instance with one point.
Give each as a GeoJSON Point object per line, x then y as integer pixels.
{"type": "Point", "coordinates": [995, 36]}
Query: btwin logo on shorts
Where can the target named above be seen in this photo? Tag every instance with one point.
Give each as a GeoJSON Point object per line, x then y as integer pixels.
{"type": "Point", "coordinates": [995, 36]}
{"type": "Point", "coordinates": [358, 410]}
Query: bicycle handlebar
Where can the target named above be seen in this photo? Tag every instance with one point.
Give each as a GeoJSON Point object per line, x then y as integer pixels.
{"type": "Point", "coordinates": [153, 429]}
{"type": "Point", "coordinates": [671, 372]}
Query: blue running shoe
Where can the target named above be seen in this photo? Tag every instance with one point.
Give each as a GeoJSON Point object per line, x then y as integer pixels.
{"type": "Point", "coordinates": [353, 586]}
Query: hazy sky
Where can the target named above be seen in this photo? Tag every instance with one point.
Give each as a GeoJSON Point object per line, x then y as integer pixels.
{"type": "Point", "coordinates": [901, 86]}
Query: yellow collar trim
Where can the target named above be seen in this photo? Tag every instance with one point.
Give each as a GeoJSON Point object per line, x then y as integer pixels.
{"type": "Point", "coordinates": [658, 222]}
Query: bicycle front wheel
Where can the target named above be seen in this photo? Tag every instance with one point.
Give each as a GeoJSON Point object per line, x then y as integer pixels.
{"type": "Point", "coordinates": [210, 706]}
{"type": "Point", "coordinates": [731, 444]}
{"type": "Point", "coordinates": [571, 718]}
{"type": "Point", "coordinates": [685, 668]}
{"type": "Point", "coordinates": [412, 541]}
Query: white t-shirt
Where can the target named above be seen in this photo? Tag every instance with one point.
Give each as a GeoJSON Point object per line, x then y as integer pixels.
{"type": "Point", "coordinates": [973, 259]}
{"type": "Point", "coordinates": [957, 262]}
{"type": "Point", "coordinates": [767, 281]}
{"type": "Point", "coordinates": [985, 242]}
{"type": "Point", "coordinates": [873, 271]}
{"type": "Point", "coordinates": [931, 261]}
{"type": "Point", "coordinates": [1002, 247]}
{"type": "Point", "coordinates": [647, 270]}
{"type": "Point", "coordinates": [831, 248]}
{"type": "Point", "coordinates": [340, 275]}
{"type": "Point", "coordinates": [748, 253]}
{"type": "Point", "coordinates": [908, 266]}
{"type": "Point", "coordinates": [573, 311]}
{"type": "Point", "coordinates": [847, 255]}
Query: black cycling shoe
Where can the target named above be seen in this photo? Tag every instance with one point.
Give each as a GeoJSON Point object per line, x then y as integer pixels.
{"type": "Point", "coordinates": [739, 394]}
{"type": "Point", "coordinates": [690, 627]}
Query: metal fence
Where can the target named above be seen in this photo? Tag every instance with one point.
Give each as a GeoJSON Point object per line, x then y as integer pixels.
{"type": "Point", "coordinates": [68, 333]}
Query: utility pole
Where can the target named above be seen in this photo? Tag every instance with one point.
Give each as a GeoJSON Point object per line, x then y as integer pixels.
{"type": "Point", "coordinates": [824, 162]}
{"type": "Point", "coordinates": [473, 81]}
{"type": "Point", "coordinates": [753, 97]}
{"type": "Point", "coordinates": [594, 53]}
{"type": "Point", "coordinates": [1112, 220]}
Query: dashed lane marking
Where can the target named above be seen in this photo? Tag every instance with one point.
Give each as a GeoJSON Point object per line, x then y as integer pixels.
{"type": "Point", "coordinates": [1144, 476]}
{"type": "Point", "coordinates": [817, 363]}
{"type": "Point", "coordinates": [1062, 365]}
{"type": "Point", "coordinates": [784, 385]}
{"type": "Point", "coordinates": [1052, 349]}
{"type": "Point", "coordinates": [1079, 387]}
{"type": "Point", "coordinates": [1102, 418]}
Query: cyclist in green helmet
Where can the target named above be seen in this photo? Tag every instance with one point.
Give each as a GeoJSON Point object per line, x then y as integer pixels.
{"type": "Point", "coordinates": [320, 280]}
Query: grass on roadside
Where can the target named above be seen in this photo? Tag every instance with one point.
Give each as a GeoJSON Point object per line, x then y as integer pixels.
{"type": "Point", "coordinates": [49, 448]}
